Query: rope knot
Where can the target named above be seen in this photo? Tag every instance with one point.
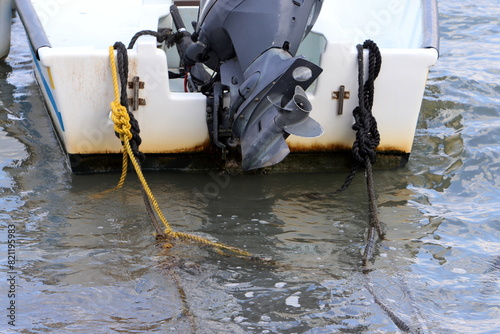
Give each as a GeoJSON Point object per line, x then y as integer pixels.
{"type": "Point", "coordinates": [367, 135]}
{"type": "Point", "coordinates": [121, 120]}
{"type": "Point", "coordinates": [365, 124]}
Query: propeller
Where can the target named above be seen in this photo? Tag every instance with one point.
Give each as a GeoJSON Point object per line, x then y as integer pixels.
{"type": "Point", "coordinates": [264, 143]}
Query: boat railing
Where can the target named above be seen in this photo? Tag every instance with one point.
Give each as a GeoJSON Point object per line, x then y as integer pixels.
{"type": "Point", "coordinates": [431, 24]}
{"type": "Point", "coordinates": [32, 25]}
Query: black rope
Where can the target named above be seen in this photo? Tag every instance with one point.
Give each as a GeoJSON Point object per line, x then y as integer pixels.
{"type": "Point", "coordinates": [367, 137]}
{"type": "Point", "coordinates": [165, 35]}
{"type": "Point", "coordinates": [398, 321]}
{"type": "Point", "coordinates": [364, 154]}
{"type": "Point", "coordinates": [122, 59]}
{"type": "Point", "coordinates": [365, 125]}
{"type": "Point", "coordinates": [151, 213]}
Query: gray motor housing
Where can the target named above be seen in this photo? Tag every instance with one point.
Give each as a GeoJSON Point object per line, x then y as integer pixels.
{"type": "Point", "coordinates": [245, 29]}
{"type": "Point", "coordinates": [252, 44]}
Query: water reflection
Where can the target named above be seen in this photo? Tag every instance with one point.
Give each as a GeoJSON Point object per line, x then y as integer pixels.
{"type": "Point", "coordinates": [317, 244]}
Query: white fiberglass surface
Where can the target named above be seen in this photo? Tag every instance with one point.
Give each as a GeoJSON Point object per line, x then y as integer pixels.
{"type": "Point", "coordinates": [390, 23]}
{"type": "Point", "coordinates": [95, 22]}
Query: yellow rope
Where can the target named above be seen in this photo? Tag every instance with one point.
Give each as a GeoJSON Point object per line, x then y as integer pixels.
{"type": "Point", "coordinates": [121, 119]}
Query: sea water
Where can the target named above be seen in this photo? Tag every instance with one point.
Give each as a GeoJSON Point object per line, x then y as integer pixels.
{"type": "Point", "coordinates": [83, 264]}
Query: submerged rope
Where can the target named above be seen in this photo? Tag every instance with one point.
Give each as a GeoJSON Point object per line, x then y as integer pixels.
{"type": "Point", "coordinates": [367, 138]}
{"type": "Point", "coordinates": [122, 127]}
{"type": "Point", "coordinates": [364, 154]}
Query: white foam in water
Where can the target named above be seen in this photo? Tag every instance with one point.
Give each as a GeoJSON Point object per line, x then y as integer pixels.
{"type": "Point", "coordinates": [293, 301]}
{"type": "Point", "coordinates": [280, 285]}
{"type": "Point", "coordinates": [239, 319]}
{"type": "Point", "coordinates": [15, 118]}
{"type": "Point", "coordinates": [459, 271]}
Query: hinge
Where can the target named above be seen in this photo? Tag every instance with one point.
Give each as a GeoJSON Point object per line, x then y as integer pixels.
{"type": "Point", "coordinates": [135, 101]}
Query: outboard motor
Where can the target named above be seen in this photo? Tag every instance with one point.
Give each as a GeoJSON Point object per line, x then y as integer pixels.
{"type": "Point", "coordinates": [251, 45]}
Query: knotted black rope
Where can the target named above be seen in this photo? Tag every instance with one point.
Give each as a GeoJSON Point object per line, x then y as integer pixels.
{"type": "Point", "coordinates": [364, 154]}
{"type": "Point", "coordinates": [365, 125]}
{"type": "Point", "coordinates": [367, 136]}
{"type": "Point", "coordinates": [122, 59]}
{"type": "Point", "coordinates": [166, 35]}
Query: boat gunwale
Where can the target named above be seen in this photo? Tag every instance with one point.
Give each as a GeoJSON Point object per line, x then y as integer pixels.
{"type": "Point", "coordinates": [38, 37]}
{"type": "Point", "coordinates": [32, 25]}
{"type": "Point", "coordinates": [430, 25]}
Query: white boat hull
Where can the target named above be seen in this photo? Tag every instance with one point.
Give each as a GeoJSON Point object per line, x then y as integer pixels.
{"type": "Point", "coordinates": [75, 78]}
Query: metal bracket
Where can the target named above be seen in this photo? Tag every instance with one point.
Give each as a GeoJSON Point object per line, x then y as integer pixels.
{"type": "Point", "coordinates": [136, 101]}
{"type": "Point", "coordinates": [341, 95]}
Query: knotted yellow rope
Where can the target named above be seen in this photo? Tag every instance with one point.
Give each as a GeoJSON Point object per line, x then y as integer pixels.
{"type": "Point", "coordinates": [121, 119]}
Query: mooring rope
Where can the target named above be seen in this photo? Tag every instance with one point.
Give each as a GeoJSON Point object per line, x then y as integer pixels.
{"type": "Point", "coordinates": [122, 127]}
{"type": "Point", "coordinates": [364, 154]}
{"type": "Point", "coordinates": [367, 138]}
{"type": "Point", "coordinates": [400, 323]}
{"type": "Point", "coordinates": [135, 140]}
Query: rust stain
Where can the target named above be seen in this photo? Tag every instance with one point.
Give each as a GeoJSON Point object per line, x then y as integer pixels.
{"type": "Point", "coordinates": [392, 149]}
{"type": "Point", "coordinates": [324, 148]}
{"type": "Point", "coordinates": [132, 68]}
{"type": "Point", "coordinates": [203, 147]}
{"type": "Point", "coordinates": [294, 148]}
{"type": "Point", "coordinates": [206, 147]}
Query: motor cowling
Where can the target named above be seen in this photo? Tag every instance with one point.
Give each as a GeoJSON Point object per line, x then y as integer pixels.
{"type": "Point", "coordinates": [253, 45]}
{"type": "Point", "coordinates": [246, 29]}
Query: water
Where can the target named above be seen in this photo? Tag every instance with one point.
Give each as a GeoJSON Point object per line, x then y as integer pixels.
{"type": "Point", "coordinates": [86, 265]}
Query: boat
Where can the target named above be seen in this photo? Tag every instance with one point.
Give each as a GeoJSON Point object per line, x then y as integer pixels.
{"type": "Point", "coordinates": [232, 84]}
